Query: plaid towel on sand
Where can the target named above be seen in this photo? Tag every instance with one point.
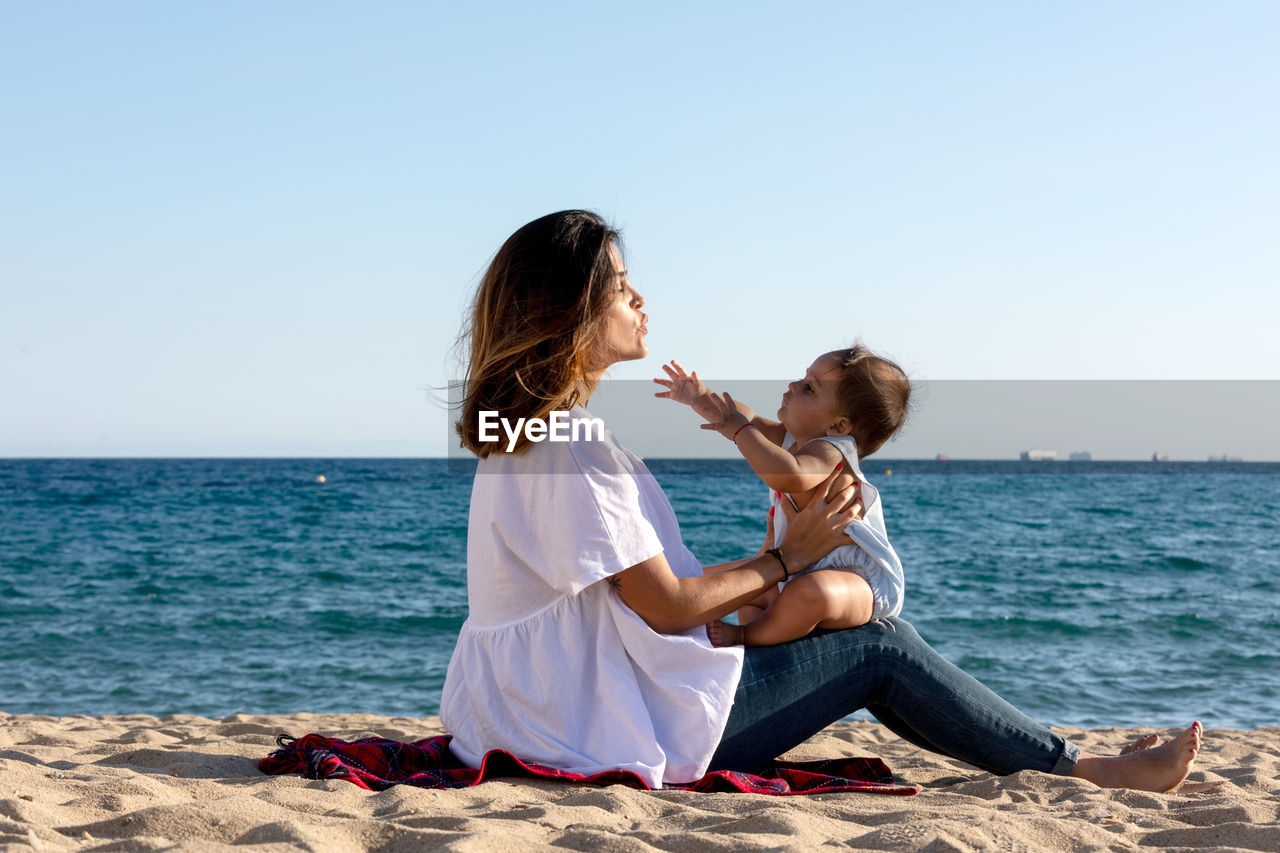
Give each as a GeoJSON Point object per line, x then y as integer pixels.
{"type": "Point", "coordinates": [376, 763]}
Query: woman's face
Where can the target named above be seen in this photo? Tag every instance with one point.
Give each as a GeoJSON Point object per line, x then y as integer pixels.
{"type": "Point", "coordinates": [625, 325]}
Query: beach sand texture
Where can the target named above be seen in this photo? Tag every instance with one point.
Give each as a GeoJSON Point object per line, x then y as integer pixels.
{"type": "Point", "coordinates": [190, 783]}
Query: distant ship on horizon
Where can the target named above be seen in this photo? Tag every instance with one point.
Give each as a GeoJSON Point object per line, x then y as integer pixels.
{"type": "Point", "coordinates": [1080, 456]}
{"type": "Point", "coordinates": [1039, 455]}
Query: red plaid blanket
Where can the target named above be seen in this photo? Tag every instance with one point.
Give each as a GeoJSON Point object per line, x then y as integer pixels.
{"type": "Point", "coordinates": [376, 763]}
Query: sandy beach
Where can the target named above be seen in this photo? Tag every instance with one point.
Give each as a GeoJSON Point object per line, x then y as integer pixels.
{"type": "Point", "coordinates": [190, 783]}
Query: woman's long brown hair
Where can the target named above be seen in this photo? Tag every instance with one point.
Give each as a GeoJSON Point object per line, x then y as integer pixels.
{"type": "Point", "coordinates": [534, 320]}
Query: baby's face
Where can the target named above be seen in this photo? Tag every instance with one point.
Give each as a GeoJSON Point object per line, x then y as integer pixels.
{"type": "Point", "coordinates": [810, 407]}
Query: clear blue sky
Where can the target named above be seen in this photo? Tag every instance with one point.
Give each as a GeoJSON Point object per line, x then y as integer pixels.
{"type": "Point", "coordinates": [251, 228]}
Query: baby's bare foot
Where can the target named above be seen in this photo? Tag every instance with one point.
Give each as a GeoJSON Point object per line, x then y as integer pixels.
{"type": "Point", "coordinates": [1144, 742]}
{"type": "Point", "coordinates": [1159, 768]}
{"type": "Point", "coordinates": [723, 634]}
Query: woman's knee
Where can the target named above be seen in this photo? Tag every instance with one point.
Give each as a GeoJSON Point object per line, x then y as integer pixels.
{"type": "Point", "coordinates": [892, 635]}
{"type": "Point", "coordinates": [894, 629]}
{"type": "Point", "coordinates": [898, 626]}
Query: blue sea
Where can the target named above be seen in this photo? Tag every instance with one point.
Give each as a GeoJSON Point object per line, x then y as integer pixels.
{"type": "Point", "coordinates": [1086, 593]}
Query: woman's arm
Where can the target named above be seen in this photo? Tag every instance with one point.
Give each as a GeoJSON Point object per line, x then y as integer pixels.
{"type": "Point", "coordinates": [671, 604]}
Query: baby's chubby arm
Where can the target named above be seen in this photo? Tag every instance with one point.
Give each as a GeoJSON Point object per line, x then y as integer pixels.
{"type": "Point", "coordinates": [685, 387]}
{"type": "Point", "coordinates": [761, 445]}
{"type": "Point", "coordinates": [778, 468]}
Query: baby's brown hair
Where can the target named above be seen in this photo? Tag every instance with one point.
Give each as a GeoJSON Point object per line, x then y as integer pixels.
{"type": "Point", "coordinates": [873, 394]}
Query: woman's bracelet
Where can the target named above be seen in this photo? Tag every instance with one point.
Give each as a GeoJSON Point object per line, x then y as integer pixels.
{"type": "Point", "coordinates": [777, 553]}
{"type": "Point", "coordinates": [740, 429]}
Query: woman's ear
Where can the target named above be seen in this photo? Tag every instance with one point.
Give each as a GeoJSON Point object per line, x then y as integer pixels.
{"type": "Point", "coordinates": [842, 426]}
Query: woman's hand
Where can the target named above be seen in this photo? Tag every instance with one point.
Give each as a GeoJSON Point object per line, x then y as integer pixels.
{"type": "Point", "coordinates": [816, 530]}
{"type": "Point", "coordinates": [768, 533]}
{"type": "Point", "coordinates": [670, 604]}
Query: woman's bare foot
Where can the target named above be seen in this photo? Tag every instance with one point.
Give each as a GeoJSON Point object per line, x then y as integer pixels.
{"type": "Point", "coordinates": [1158, 768]}
{"type": "Point", "coordinates": [724, 634]}
{"type": "Point", "coordinates": [1144, 742]}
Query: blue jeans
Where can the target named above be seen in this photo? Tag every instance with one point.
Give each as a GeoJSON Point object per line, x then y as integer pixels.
{"type": "Point", "coordinates": [790, 692]}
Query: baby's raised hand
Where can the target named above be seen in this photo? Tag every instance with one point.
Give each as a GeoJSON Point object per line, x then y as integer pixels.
{"type": "Point", "coordinates": [681, 386]}
{"type": "Point", "coordinates": [725, 415]}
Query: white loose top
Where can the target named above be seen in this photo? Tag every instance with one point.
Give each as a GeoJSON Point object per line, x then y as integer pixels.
{"type": "Point", "coordinates": [550, 664]}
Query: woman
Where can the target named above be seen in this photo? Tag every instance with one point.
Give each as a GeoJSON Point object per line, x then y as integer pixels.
{"type": "Point", "coordinates": [585, 646]}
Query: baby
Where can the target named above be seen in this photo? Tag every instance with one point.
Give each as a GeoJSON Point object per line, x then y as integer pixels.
{"type": "Point", "coordinates": [849, 403]}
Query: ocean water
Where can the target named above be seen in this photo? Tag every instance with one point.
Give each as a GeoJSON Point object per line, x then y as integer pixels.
{"type": "Point", "coordinates": [1087, 594]}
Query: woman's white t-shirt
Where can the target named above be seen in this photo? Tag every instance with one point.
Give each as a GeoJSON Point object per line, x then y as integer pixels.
{"type": "Point", "coordinates": [550, 664]}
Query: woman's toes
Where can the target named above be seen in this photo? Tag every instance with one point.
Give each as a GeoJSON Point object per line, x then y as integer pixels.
{"type": "Point", "coordinates": [1144, 742]}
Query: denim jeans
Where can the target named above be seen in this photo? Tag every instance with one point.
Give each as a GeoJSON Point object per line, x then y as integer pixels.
{"type": "Point", "coordinates": [792, 691]}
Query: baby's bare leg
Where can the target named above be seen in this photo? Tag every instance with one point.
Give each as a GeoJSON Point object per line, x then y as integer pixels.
{"type": "Point", "coordinates": [723, 634]}
{"type": "Point", "coordinates": [758, 605]}
{"type": "Point", "coordinates": [824, 599]}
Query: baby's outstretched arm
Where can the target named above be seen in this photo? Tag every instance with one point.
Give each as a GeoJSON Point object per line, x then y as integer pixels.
{"type": "Point", "coordinates": [685, 387]}
{"type": "Point", "coordinates": [778, 468]}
